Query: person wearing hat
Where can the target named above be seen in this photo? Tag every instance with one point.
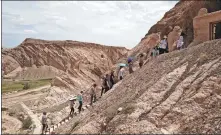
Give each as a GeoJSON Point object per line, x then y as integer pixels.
{"type": "Point", "coordinates": [72, 105]}
{"type": "Point", "coordinates": [163, 45]}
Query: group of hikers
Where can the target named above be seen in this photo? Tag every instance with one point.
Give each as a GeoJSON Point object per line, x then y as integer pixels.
{"type": "Point", "coordinates": [108, 81]}
{"type": "Point", "coordinates": [162, 47]}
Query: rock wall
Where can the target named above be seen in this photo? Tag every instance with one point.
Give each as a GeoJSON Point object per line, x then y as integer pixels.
{"type": "Point", "coordinates": [202, 24]}
{"type": "Point", "coordinates": [182, 15]}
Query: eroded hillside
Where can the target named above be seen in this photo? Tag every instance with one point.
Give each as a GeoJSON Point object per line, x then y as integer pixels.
{"type": "Point", "coordinates": [38, 59]}
{"type": "Point", "coordinates": [72, 65]}
{"type": "Point", "coordinates": [179, 92]}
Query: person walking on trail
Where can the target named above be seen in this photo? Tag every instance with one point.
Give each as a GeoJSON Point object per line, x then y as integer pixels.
{"type": "Point", "coordinates": [141, 60]}
{"type": "Point", "coordinates": [93, 93]}
{"type": "Point", "coordinates": [121, 73]}
{"type": "Point", "coordinates": [112, 78]}
{"type": "Point", "coordinates": [130, 64]}
{"type": "Point", "coordinates": [163, 45]}
{"type": "Point", "coordinates": [180, 42]}
{"type": "Point", "coordinates": [80, 99]}
{"type": "Point", "coordinates": [44, 122]}
{"type": "Point", "coordinates": [72, 102]}
{"type": "Point", "coordinates": [103, 85]}
{"type": "Point", "coordinates": [108, 81]}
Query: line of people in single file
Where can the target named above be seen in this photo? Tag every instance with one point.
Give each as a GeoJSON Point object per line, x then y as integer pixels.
{"type": "Point", "coordinates": [108, 81]}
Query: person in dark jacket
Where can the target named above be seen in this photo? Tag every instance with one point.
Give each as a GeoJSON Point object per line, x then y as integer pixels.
{"type": "Point", "coordinates": [112, 78]}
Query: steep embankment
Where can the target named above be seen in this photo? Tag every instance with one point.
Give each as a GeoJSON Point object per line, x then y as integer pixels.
{"type": "Point", "coordinates": [38, 59]}
{"type": "Point", "coordinates": [181, 15]}
{"type": "Point", "coordinates": [179, 92]}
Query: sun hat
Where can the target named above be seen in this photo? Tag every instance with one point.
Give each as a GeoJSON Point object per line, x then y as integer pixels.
{"type": "Point", "coordinates": [73, 98]}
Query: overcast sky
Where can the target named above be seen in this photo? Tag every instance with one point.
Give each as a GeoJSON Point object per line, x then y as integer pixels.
{"type": "Point", "coordinates": [117, 23]}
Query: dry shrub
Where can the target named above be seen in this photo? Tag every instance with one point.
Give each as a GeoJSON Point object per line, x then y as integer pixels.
{"type": "Point", "coordinates": [26, 123]}
{"type": "Point", "coordinates": [74, 126]}
{"type": "Point", "coordinates": [26, 86]}
{"type": "Point", "coordinates": [128, 109]}
{"type": "Point", "coordinates": [110, 113]}
{"type": "Point", "coordinates": [203, 58]}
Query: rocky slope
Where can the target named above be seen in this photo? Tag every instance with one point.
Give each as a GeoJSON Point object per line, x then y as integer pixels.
{"type": "Point", "coordinates": [181, 15]}
{"type": "Point", "coordinates": [179, 92]}
{"type": "Point", "coordinates": [37, 59]}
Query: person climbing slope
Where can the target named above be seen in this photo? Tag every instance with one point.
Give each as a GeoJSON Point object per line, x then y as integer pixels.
{"type": "Point", "coordinates": [93, 93]}
{"type": "Point", "coordinates": [72, 102]}
{"type": "Point", "coordinates": [80, 99]}
{"type": "Point", "coordinates": [163, 45]}
{"type": "Point", "coordinates": [44, 122]}
{"type": "Point", "coordinates": [121, 73]}
{"type": "Point", "coordinates": [103, 85]}
{"type": "Point", "coordinates": [108, 81]}
{"type": "Point", "coordinates": [130, 63]}
{"type": "Point", "coordinates": [180, 42]}
{"type": "Point", "coordinates": [155, 52]}
{"type": "Point", "coordinates": [112, 78]}
{"type": "Point", "coordinates": [141, 60]}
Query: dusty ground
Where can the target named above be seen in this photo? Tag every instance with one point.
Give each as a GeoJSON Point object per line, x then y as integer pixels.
{"type": "Point", "coordinates": [10, 124]}
{"type": "Point", "coordinates": [179, 92]}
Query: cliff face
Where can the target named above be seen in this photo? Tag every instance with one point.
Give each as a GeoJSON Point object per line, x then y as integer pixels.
{"type": "Point", "coordinates": [38, 59]}
{"type": "Point", "coordinates": [182, 15]}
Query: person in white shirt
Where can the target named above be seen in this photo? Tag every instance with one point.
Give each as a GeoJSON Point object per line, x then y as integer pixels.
{"type": "Point", "coordinates": [44, 122]}
{"type": "Point", "coordinates": [72, 102]}
{"type": "Point", "coordinates": [121, 73]}
{"type": "Point", "coordinates": [180, 42]}
{"type": "Point", "coordinates": [163, 45]}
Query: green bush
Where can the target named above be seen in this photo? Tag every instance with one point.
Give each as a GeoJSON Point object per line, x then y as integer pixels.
{"type": "Point", "coordinates": [26, 86]}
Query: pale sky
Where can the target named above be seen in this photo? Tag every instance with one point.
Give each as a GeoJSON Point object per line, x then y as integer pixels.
{"type": "Point", "coordinates": [116, 23]}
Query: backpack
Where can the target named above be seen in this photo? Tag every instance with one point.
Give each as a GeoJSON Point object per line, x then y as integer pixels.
{"type": "Point", "coordinates": [129, 60]}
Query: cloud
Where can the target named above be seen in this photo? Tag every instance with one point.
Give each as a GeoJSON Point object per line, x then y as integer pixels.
{"type": "Point", "coordinates": [30, 31]}
{"type": "Point", "coordinates": [120, 23]}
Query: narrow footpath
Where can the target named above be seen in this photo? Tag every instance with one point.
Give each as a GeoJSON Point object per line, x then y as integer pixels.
{"type": "Point", "coordinates": [34, 118]}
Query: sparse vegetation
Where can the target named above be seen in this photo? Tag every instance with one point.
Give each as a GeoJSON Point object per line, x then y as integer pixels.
{"type": "Point", "coordinates": [110, 113]}
{"type": "Point", "coordinates": [26, 123]}
{"type": "Point", "coordinates": [203, 58]}
{"type": "Point", "coordinates": [128, 109]}
{"type": "Point", "coordinates": [26, 86]}
{"type": "Point", "coordinates": [74, 126]}
{"type": "Point", "coordinates": [9, 86]}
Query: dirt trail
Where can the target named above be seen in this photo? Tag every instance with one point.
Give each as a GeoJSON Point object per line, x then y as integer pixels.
{"type": "Point", "coordinates": [11, 99]}
{"type": "Point", "coordinates": [35, 120]}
